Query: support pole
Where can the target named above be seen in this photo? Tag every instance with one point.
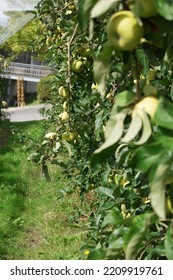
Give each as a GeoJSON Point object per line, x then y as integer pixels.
{"type": "Point", "coordinates": [18, 93]}
{"type": "Point", "coordinates": [22, 93]}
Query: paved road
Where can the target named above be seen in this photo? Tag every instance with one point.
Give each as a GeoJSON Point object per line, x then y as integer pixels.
{"type": "Point", "coordinates": [25, 113]}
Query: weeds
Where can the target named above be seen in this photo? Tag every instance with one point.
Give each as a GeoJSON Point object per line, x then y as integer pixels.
{"type": "Point", "coordinates": [34, 215]}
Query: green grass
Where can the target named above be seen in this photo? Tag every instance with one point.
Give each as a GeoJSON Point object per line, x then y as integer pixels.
{"type": "Point", "coordinates": [33, 216]}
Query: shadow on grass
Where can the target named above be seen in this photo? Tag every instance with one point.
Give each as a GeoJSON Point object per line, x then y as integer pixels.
{"type": "Point", "coordinates": [12, 192]}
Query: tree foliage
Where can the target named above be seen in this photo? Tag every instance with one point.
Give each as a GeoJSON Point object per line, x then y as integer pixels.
{"type": "Point", "coordinates": [120, 105]}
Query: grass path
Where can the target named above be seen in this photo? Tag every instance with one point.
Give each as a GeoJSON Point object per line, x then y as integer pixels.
{"type": "Point", "coordinates": [33, 218]}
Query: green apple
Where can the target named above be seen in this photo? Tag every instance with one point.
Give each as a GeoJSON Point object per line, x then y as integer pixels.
{"type": "Point", "coordinates": [63, 91]}
{"type": "Point", "coordinates": [86, 52]}
{"type": "Point", "coordinates": [149, 104]}
{"type": "Point", "coordinates": [70, 136]}
{"type": "Point", "coordinates": [150, 89]}
{"type": "Point", "coordinates": [64, 116]}
{"type": "Point", "coordinates": [124, 31]}
{"type": "Point", "coordinates": [143, 8]}
{"type": "Point", "coordinates": [73, 135]}
{"type": "Point", "coordinates": [77, 66]}
{"type": "Point", "coordinates": [65, 136]}
{"type": "Point", "coordinates": [168, 206]}
{"type": "Point", "coordinates": [151, 75]}
{"type": "Point", "coordinates": [79, 50]}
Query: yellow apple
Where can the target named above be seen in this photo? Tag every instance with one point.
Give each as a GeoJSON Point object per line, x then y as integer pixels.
{"type": "Point", "coordinates": [64, 116]}
{"type": "Point", "coordinates": [94, 86]}
{"type": "Point", "coordinates": [124, 31]}
{"type": "Point", "coordinates": [77, 66]}
{"type": "Point", "coordinates": [71, 8]}
{"type": "Point", "coordinates": [150, 89]}
{"type": "Point", "coordinates": [64, 106]}
{"type": "Point", "coordinates": [123, 207]}
{"type": "Point", "coordinates": [143, 8]}
{"type": "Point", "coordinates": [50, 135]}
{"type": "Point", "coordinates": [70, 136]}
{"type": "Point", "coordinates": [4, 104]}
{"type": "Point", "coordinates": [63, 92]}
{"type": "Point", "coordinates": [168, 206]}
{"type": "Point", "coordinates": [149, 104]}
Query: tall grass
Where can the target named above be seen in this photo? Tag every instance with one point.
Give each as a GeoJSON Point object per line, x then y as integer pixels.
{"type": "Point", "coordinates": [34, 218]}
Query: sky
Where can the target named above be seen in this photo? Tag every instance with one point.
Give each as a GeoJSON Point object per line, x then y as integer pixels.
{"type": "Point", "coordinates": [13, 5]}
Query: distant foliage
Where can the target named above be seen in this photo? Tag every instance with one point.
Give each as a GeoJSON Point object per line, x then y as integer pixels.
{"type": "Point", "coordinates": [44, 90]}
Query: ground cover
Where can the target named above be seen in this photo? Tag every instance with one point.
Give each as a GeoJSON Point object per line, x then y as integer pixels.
{"type": "Point", "coordinates": [34, 216]}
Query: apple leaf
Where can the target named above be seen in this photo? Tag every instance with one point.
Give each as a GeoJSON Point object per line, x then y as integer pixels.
{"type": "Point", "coordinates": [101, 67]}
{"type": "Point", "coordinates": [137, 233]}
{"type": "Point", "coordinates": [35, 157]}
{"type": "Point", "coordinates": [125, 98]}
{"type": "Point", "coordinates": [168, 57]}
{"type": "Point", "coordinates": [106, 191]}
{"type": "Point", "coordinates": [113, 132]}
{"type": "Point", "coordinates": [147, 156]}
{"type": "Point", "coordinates": [57, 146]}
{"type": "Point", "coordinates": [171, 92]}
{"type": "Point", "coordinates": [96, 254]}
{"type": "Point", "coordinates": [143, 60]}
{"type": "Point", "coordinates": [169, 242]}
{"type": "Point", "coordinates": [102, 7]}
{"type": "Point", "coordinates": [116, 133]}
{"type": "Point", "coordinates": [147, 130]}
{"type": "Point", "coordinates": [151, 55]}
{"type": "Point", "coordinates": [164, 137]}
{"type": "Point", "coordinates": [67, 145]}
{"type": "Point", "coordinates": [164, 8]}
{"type": "Point", "coordinates": [45, 172]}
{"type": "Point", "coordinates": [84, 11]}
{"type": "Point", "coordinates": [157, 192]}
{"type": "Point", "coordinates": [164, 114]}
{"type": "Point", "coordinates": [112, 218]}
{"type": "Point", "coordinates": [133, 129]}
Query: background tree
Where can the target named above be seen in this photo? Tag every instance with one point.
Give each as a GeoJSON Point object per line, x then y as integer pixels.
{"type": "Point", "coordinates": [28, 39]}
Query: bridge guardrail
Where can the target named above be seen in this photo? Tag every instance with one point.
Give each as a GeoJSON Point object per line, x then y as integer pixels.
{"type": "Point", "coordinates": [27, 70]}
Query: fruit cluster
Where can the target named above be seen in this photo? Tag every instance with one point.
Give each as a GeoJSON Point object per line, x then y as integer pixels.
{"type": "Point", "coordinates": [126, 30]}
{"type": "Point", "coordinates": [69, 135]}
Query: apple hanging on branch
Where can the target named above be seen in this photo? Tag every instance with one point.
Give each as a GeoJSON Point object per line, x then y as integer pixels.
{"type": "Point", "coordinates": [124, 31]}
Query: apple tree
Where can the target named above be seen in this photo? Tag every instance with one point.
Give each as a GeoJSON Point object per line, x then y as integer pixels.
{"type": "Point", "coordinates": [112, 114]}
{"type": "Point", "coordinates": [138, 133]}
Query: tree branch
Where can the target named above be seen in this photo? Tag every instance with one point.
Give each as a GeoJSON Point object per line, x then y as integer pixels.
{"type": "Point", "coordinates": [69, 68]}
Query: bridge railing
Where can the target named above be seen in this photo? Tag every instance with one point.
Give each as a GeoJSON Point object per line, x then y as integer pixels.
{"type": "Point", "coordinates": [29, 70]}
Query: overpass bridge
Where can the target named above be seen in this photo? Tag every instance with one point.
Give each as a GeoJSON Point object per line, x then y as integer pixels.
{"type": "Point", "coordinates": [27, 72]}
{"type": "Point", "coordinates": [23, 79]}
